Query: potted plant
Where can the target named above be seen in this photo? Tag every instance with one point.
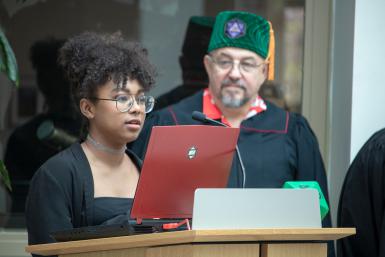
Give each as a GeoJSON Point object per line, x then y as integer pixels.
{"type": "Point", "coordinates": [8, 66]}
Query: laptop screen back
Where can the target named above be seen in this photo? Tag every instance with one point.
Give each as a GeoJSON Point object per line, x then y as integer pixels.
{"type": "Point", "coordinates": [256, 208]}
{"type": "Point", "coordinates": [180, 159]}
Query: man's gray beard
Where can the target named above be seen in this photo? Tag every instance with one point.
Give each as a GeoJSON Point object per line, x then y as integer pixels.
{"type": "Point", "coordinates": [231, 102]}
{"type": "Point", "coordinates": [228, 99]}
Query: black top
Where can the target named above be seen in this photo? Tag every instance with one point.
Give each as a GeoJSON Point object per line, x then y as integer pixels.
{"type": "Point", "coordinates": [362, 201]}
{"type": "Point", "coordinates": [275, 145]}
{"type": "Point", "coordinates": [61, 195]}
{"type": "Point", "coordinates": [106, 208]}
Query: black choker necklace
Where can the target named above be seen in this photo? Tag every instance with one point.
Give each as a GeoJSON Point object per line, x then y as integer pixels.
{"type": "Point", "coordinates": [104, 148]}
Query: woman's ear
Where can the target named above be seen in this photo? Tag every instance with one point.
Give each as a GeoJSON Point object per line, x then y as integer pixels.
{"type": "Point", "coordinates": [87, 108]}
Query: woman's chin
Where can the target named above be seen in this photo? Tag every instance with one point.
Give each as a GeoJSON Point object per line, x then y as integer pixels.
{"type": "Point", "coordinates": [131, 137]}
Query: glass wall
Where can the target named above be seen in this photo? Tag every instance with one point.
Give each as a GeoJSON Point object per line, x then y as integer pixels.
{"type": "Point", "coordinates": [160, 25]}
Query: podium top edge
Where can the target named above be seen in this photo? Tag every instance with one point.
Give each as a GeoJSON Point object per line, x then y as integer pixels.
{"type": "Point", "coordinates": [191, 237]}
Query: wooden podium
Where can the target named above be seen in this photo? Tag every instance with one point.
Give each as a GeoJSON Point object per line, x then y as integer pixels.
{"type": "Point", "coordinates": [203, 243]}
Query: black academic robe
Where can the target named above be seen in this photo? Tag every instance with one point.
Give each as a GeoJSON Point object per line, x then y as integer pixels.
{"type": "Point", "coordinates": [275, 145]}
{"type": "Point", "coordinates": [61, 195]}
{"type": "Point", "coordinates": [362, 201]}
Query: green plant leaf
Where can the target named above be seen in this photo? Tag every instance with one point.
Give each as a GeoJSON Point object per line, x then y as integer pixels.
{"type": "Point", "coordinates": [8, 62]}
{"type": "Point", "coordinates": [5, 176]}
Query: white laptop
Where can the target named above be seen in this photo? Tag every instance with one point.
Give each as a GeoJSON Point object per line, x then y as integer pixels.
{"type": "Point", "coordinates": [229, 208]}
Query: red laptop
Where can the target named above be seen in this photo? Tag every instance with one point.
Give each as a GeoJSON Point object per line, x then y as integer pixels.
{"type": "Point", "coordinates": [180, 159]}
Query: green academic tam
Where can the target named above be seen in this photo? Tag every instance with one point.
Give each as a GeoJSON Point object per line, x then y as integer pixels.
{"type": "Point", "coordinates": [242, 30]}
{"type": "Point", "coordinates": [247, 31]}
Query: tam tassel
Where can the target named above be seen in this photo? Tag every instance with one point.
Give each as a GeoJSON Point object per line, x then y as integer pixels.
{"type": "Point", "coordinates": [271, 55]}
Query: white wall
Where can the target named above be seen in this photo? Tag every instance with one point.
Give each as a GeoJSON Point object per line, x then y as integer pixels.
{"type": "Point", "coordinates": [340, 100]}
{"type": "Point", "coordinates": [357, 87]}
{"type": "Point", "coordinates": [368, 100]}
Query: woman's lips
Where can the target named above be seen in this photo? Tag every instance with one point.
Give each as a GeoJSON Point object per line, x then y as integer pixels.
{"type": "Point", "coordinates": [133, 124]}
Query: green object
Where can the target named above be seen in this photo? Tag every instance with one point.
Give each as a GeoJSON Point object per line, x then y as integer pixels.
{"type": "Point", "coordinates": [8, 62]}
{"type": "Point", "coordinates": [243, 30]}
{"type": "Point", "coordinates": [313, 185]}
{"type": "Point", "coordinates": [45, 130]}
{"type": "Point", "coordinates": [5, 176]}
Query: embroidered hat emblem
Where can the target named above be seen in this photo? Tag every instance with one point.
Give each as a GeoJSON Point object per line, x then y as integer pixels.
{"type": "Point", "coordinates": [235, 28]}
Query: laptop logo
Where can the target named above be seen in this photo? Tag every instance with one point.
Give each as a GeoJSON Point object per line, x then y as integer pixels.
{"type": "Point", "coordinates": [192, 152]}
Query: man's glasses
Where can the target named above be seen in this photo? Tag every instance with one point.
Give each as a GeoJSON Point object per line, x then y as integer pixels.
{"type": "Point", "coordinates": [125, 102]}
{"type": "Point", "coordinates": [226, 64]}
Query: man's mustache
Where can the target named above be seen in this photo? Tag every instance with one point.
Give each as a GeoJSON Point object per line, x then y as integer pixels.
{"type": "Point", "coordinates": [237, 83]}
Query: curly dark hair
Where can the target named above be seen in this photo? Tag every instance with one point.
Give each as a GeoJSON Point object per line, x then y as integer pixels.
{"type": "Point", "coordinates": [90, 60]}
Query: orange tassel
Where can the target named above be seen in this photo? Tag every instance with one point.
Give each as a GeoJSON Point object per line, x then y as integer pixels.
{"type": "Point", "coordinates": [271, 55]}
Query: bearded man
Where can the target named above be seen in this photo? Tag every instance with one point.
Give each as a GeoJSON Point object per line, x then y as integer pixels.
{"type": "Point", "coordinates": [276, 146]}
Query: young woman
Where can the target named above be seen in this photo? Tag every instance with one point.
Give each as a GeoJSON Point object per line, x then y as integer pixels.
{"type": "Point", "coordinates": [94, 182]}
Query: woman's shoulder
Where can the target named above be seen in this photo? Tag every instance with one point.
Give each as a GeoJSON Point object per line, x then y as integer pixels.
{"type": "Point", "coordinates": [67, 156]}
{"type": "Point", "coordinates": [65, 163]}
{"type": "Point", "coordinates": [135, 158]}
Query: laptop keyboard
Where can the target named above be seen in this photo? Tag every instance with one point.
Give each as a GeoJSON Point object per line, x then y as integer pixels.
{"type": "Point", "coordinates": [103, 231]}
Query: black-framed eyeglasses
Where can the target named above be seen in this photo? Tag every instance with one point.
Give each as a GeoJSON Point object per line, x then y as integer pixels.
{"type": "Point", "coordinates": [226, 64]}
{"type": "Point", "coordinates": [125, 102]}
